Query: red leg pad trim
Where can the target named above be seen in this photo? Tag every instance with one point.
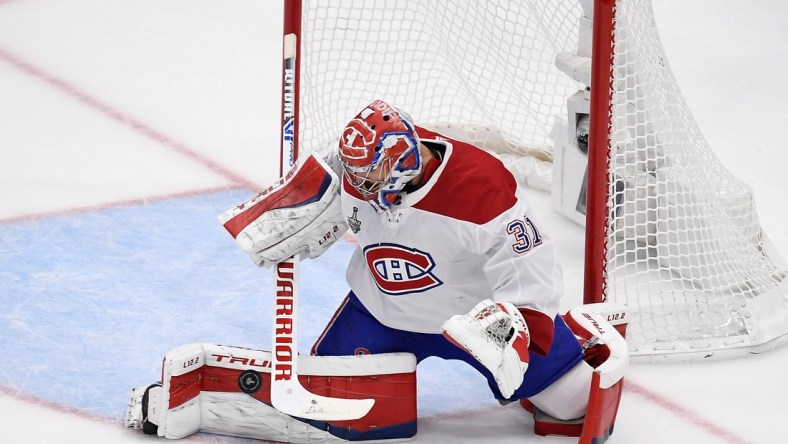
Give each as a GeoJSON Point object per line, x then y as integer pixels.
{"type": "Point", "coordinates": [601, 414]}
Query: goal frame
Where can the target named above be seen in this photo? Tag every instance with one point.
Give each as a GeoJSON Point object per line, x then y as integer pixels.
{"type": "Point", "coordinates": [601, 151]}
{"type": "Point", "coordinates": [598, 153]}
{"type": "Point", "coordinates": [598, 212]}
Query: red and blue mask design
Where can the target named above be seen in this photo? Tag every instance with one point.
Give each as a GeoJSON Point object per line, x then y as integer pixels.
{"type": "Point", "coordinates": [379, 150]}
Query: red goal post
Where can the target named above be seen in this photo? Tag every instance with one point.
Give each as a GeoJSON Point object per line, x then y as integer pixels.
{"type": "Point", "coordinates": [669, 232]}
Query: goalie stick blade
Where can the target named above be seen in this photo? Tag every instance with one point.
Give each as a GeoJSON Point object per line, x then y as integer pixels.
{"type": "Point", "coordinates": [287, 393]}
{"type": "Point", "coordinates": [292, 398]}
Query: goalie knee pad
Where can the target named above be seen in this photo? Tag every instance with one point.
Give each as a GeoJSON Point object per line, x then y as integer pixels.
{"type": "Point", "coordinates": [226, 390]}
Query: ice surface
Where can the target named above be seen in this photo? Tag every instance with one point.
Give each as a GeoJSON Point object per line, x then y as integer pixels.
{"type": "Point", "coordinates": [127, 127]}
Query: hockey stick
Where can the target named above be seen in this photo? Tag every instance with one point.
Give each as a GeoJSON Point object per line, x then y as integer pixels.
{"type": "Point", "coordinates": [287, 393]}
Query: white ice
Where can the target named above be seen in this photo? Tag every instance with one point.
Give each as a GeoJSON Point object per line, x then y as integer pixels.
{"type": "Point", "coordinates": [126, 127]}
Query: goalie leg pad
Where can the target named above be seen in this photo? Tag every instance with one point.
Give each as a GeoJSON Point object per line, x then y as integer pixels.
{"type": "Point", "coordinates": [567, 397]}
{"type": "Point", "coordinates": [601, 329]}
{"type": "Point", "coordinates": [597, 424]}
{"type": "Point", "coordinates": [603, 340]}
{"type": "Point", "coordinates": [226, 390]}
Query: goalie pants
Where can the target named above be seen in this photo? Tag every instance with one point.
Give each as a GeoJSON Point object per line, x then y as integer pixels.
{"type": "Point", "coordinates": [353, 331]}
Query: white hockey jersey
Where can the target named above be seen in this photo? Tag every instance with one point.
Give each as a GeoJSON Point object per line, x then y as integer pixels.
{"type": "Point", "coordinates": [463, 236]}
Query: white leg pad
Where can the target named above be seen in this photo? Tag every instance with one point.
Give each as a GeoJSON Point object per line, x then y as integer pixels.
{"type": "Point", "coordinates": [591, 321]}
{"type": "Point", "coordinates": [238, 414]}
{"type": "Point", "coordinates": [226, 390]}
{"type": "Point", "coordinates": [567, 398]}
{"type": "Point", "coordinates": [599, 385]}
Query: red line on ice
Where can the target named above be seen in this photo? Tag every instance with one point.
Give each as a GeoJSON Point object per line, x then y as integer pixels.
{"type": "Point", "coordinates": [683, 413]}
{"type": "Point", "coordinates": [670, 406]}
{"type": "Point", "coordinates": [30, 399]}
{"type": "Point", "coordinates": [85, 414]}
{"type": "Point", "coordinates": [123, 118]}
{"type": "Point", "coordinates": [118, 204]}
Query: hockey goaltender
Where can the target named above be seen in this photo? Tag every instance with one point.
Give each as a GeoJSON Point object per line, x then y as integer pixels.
{"type": "Point", "coordinates": [450, 263]}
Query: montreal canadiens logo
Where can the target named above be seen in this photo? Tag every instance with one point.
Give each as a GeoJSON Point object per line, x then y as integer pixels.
{"type": "Point", "coordinates": [400, 270]}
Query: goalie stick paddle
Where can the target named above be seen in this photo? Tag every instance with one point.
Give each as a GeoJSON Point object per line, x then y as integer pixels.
{"type": "Point", "coordinates": [287, 393]}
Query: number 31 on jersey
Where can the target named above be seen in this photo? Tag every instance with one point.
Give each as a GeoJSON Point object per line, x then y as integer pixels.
{"type": "Point", "coordinates": [525, 234]}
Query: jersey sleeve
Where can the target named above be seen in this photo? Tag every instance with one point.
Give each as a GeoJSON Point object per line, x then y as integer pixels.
{"type": "Point", "coordinates": [521, 267]}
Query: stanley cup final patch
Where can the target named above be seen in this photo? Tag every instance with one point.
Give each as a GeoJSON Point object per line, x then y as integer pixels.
{"type": "Point", "coordinates": [353, 222]}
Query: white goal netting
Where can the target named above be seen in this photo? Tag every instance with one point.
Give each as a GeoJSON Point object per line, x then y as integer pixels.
{"type": "Point", "coordinates": [684, 247]}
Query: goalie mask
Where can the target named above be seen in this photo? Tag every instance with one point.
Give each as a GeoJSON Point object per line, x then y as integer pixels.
{"type": "Point", "coordinates": [379, 150]}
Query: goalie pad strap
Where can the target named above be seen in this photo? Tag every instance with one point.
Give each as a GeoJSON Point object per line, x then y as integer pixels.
{"type": "Point", "coordinates": [226, 390]}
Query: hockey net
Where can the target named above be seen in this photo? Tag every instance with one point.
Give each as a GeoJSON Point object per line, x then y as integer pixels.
{"type": "Point", "coordinates": [683, 247]}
